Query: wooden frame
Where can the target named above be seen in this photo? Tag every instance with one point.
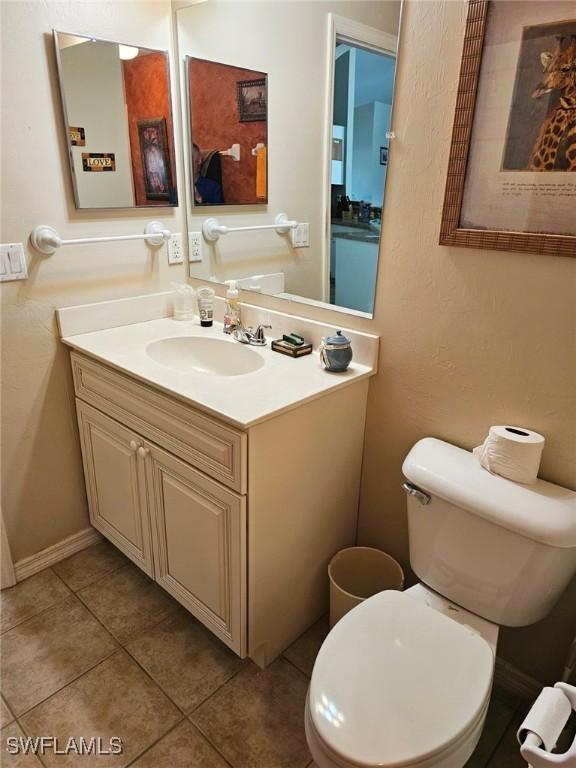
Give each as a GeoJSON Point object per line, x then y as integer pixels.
{"type": "Point", "coordinates": [247, 113]}
{"type": "Point", "coordinates": [156, 166]}
{"type": "Point", "coordinates": [450, 232]}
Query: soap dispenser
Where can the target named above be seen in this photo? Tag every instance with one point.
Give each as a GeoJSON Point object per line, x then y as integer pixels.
{"type": "Point", "coordinates": [232, 308]}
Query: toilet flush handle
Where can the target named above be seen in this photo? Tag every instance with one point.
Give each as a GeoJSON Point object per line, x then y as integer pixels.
{"type": "Point", "coordinates": [413, 490]}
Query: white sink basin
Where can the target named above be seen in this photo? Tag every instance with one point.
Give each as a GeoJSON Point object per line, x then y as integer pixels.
{"type": "Point", "coordinates": [212, 356]}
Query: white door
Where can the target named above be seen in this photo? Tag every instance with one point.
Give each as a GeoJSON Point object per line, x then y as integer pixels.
{"type": "Point", "coordinates": [116, 484]}
{"type": "Point", "coordinates": [200, 545]}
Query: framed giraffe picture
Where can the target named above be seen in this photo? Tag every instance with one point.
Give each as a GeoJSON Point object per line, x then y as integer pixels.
{"type": "Point", "coordinates": [511, 182]}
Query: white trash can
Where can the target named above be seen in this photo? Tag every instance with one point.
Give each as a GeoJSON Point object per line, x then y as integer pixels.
{"type": "Point", "coordinates": [357, 573]}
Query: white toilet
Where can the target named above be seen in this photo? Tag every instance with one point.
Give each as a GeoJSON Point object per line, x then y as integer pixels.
{"type": "Point", "coordinates": [404, 679]}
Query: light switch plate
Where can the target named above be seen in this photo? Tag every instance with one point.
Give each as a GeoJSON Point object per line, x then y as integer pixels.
{"type": "Point", "coordinates": [300, 235]}
{"type": "Point", "coordinates": [13, 262]}
{"type": "Point", "coordinates": [194, 246]}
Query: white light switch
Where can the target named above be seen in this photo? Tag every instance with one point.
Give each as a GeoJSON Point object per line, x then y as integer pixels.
{"type": "Point", "coordinates": [300, 235]}
{"type": "Point", "coordinates": [13, 262]}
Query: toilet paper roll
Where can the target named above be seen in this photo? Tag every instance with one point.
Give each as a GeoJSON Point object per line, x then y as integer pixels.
{"type": "Point", "coordinates": [513, 452]}
{"type": "Point", "coordinates": [547, 718]}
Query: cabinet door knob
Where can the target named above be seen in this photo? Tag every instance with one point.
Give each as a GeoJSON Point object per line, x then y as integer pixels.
{"type": "Point", "coordinates": [134, 445]}
{"type": "Point", "coordinates": [143, 452]}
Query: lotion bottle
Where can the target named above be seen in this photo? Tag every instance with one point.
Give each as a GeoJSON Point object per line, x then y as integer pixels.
{"type": "Point", "coordinates": [232, 308]}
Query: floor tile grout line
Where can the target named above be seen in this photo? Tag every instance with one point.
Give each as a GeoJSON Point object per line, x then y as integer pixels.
{"type": "Point", "coordinates": [97, 580]}
{"type": "Point", "coordinates": [42, 763]}
{"type": "Point", "coordinates": [118, 649]}
{"type": "Point", "coordinates": [93, 584]}
{"type": "Point", "coordinates": [52, 605]}
{"type": "Point", "coordinates": [184, 711]}
{"type": "Point", "coordinates": [156, 683]}
{"type": "Point", "coordinates": [209, 740]}
{"type": "Point", "coordinates": [89, 669]}
{"type": "Point", "coordinates": [306, 675]}
{"type": "Point", "coordinates": [215, 691]}
{"type": "Point", "coordinates": [9, 708]}
{"type": "Point", "coordinates": [124, 648]}
{"type": "Point", "coordinates": [155, 742]}
{"type": "Point", "coordinates": [138, 633]}
{"type": "Point", "coordinates": [71, 591]}
{"type": "Point", "coordinates": [74, 679]}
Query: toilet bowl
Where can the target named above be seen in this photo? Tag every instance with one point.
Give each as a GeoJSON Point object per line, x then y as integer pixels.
{"type": "Point", "coordinates": [402, 680]}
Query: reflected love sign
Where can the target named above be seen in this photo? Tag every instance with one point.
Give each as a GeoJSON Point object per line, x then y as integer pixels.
{"type": "Point", "coordinates": [98, 161]}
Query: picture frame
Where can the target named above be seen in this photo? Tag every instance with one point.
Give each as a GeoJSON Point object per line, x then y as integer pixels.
{"type": "Point", "coordinates": [252, 100]}
{"type": "Point", "coordinates": [383, 155]}
{"type": "Point", "coordinates": [504, 202]}
{"type": "Point", "coordinates": [155, 156]}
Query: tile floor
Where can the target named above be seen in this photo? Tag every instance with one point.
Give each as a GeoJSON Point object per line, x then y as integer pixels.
{"type": "Point", "coordinates": [93, 647]}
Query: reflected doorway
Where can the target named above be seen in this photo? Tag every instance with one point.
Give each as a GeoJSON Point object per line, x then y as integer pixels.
{"type": "Point", "coordinates": [363, 87]}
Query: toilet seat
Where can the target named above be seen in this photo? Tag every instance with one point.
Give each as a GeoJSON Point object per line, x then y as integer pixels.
{"type": "Point", "coordinates": [454, 756]}
{"type": "Point", "coordinates": [396, 683]}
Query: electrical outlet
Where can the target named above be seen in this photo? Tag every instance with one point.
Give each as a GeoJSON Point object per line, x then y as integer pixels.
{"type": "Point", "coordinates": [13, 262]}
{"type": "Point", "coordinates": [300, 236]}
{"type": "Point", "coordinates": [175, 254]}
{"type": "Point", "coordinates": [194, 246]}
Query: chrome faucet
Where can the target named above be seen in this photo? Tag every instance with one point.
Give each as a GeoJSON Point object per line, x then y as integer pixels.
{"type": "Point", "coordinates": [250, 335]}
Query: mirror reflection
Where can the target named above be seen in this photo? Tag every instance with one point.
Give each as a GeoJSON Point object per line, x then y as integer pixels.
{"type": "Point", "coordinates": [362, 106]}
{"type": "Point", "coordinates": [328, 148]}
{"type": "Point", "coordinates": [228, 129]}
{"type": "Point", "coordinates": [118, 117]}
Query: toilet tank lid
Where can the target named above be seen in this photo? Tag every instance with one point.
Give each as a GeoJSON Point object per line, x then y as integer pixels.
{"type": "Point", "coordinates": [543, 512]}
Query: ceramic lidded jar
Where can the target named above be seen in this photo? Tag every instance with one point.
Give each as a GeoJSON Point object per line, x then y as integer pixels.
{"type": "Point", "coordinates": [336, 352]}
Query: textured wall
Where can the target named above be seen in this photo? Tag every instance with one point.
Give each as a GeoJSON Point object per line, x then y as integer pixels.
{"type": "Point", "coordinates": [469, 338]}
{"type": "Point", "coordinates": [43, 497]}
{"type": "Point", "coordinates": [215, 123]}
{"type": "Point", "coordinates": [146, 85]}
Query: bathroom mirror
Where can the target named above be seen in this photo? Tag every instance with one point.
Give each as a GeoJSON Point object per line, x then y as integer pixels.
{"type": "Point", "coordinates": [228, 133]}
{"type": "Point", "coordinates": [330, 69]}
{"type": "Point", "coordinates": [118, 121]}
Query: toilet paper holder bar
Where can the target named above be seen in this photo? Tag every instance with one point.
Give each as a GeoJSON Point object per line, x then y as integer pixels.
{"type": "Point", "coordinates": [531, 747]}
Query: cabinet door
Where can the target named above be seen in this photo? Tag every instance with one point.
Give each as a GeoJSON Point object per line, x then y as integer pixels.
{"type": "Point", "coordinates": [200, 545]}
{"type": "Point", "coordinates": [116, 484]}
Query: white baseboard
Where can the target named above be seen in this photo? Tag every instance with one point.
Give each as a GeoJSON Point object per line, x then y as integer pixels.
{"type": "Point", "coordinates": [512, 680]}
{"type": "Point", "coordinates": [28, 566]}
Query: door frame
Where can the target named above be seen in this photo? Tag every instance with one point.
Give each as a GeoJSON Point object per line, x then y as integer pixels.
{"type": "Point", "coordinates": [355, 33]}
{"type": "Point", "coordinates": [8, 575]}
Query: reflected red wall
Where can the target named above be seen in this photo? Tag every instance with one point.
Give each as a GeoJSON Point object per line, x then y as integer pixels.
{"type": "Point", "coordinates": [146, 85]}
{"type": "Point", "coordinates": [216, 124]}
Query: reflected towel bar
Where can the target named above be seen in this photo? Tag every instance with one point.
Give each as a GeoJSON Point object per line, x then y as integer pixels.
{"type": "Point", "coordinates": [233, 152]}
{"type": "Point", "coordinates": [47, 240]}
{"type": "Point", "coordinates": [212, 230]}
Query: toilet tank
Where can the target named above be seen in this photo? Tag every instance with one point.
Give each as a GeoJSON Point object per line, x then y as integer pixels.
{"type": "Point", "coordinates": [502, 550]}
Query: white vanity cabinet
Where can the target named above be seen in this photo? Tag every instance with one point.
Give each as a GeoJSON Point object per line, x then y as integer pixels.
{"type": "Point", "coordinates": [237, 524]}
{"type": "Point", "coordinates": [116, 484]}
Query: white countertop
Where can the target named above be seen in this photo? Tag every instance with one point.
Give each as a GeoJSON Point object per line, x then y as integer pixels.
{"type": "Point", "coordinates": [279, 385]}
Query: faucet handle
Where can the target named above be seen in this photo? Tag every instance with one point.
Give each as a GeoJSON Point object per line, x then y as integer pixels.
{"type": "Point", "coordinates": [259, 332]}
